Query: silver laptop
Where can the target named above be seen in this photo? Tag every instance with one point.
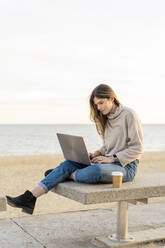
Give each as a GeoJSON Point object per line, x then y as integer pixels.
{"type": "Point", "coordinates": [73, 148]}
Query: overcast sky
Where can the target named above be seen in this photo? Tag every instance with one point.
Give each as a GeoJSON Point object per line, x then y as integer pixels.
{"type": "Point", "coordinates": [53, 53]}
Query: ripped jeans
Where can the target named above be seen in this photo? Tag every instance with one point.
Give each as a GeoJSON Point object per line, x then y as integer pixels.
{"type": "Point", "coordinates": [95, 173]}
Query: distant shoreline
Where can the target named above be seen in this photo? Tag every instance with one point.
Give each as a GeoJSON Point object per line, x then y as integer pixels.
{"type": "Point", "coordinates": [67, 124]}
{"type": "Point", "coordinates": [154, 156]}
{"type": "Point", "coordinates": [60, 154]}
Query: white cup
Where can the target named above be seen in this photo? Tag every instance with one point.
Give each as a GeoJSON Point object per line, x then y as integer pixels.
{"type": "Point", "coordinates": [117, 179]}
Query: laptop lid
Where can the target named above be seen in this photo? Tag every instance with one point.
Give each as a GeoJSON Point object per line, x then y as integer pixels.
{"type": "Point", "coordinates": [73, 148]}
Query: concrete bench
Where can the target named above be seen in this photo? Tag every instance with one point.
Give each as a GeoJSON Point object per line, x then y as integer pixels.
{"type": "Point", "coordinates": [2, 203]}
{"type": "Point", "coordinates": [140, 190]}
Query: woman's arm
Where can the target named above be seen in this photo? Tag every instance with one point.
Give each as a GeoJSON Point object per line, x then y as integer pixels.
{"type": "Point", "coordinates": [134, 147]}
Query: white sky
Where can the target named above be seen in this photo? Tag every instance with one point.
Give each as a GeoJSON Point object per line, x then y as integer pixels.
{"type": "Point", "coordinates": [53, 53]}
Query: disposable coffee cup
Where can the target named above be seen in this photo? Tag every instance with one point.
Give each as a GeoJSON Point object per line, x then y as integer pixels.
{"type": "Point", "coordinates": [117, 179]}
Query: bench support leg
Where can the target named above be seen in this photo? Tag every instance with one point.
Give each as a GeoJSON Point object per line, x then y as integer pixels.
{"type": "Point", "coordinates": [122, 239]}
{"type": "Point", "coordinates": [122, 224]}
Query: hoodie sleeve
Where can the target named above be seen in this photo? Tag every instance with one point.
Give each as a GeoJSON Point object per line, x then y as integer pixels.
{"type": "Point", "coordinates": [134, 147]}
{"type": "Point", "coordinates": [102, 150]}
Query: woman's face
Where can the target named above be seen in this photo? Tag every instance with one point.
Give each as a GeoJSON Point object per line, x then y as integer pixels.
{"type": "Point", "coordinates": [104, 105]}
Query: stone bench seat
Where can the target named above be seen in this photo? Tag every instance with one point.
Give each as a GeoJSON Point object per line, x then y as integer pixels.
{"type": "Point", "coordinates": [2, 203]}
{"type": "Point", "coordinates": [142, 188]}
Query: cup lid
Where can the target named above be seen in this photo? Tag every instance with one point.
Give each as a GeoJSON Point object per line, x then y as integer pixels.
{"type": "Point", "coordinates": [117, 173]}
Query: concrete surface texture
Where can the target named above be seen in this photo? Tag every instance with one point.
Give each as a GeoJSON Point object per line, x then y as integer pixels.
{"type": "Point", "coordinates": [77, 229]}
{"type": "Point", "coordinates": [143, 186]}
{"type": "Point", "coordinates": [2, 203]}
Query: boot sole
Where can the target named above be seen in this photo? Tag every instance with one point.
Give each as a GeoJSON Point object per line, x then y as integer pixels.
{"type": "Point", "coordinates": [27, 210]}
{"type": "Point", "coordinates": [24, 209]}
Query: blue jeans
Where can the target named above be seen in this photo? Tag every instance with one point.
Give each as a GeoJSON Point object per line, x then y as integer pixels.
{"type": "Point", "coordinates": [95, 173]}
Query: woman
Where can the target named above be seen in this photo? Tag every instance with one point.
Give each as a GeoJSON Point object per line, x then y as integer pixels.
{"type": "Point", "coordinates": [122, 147]}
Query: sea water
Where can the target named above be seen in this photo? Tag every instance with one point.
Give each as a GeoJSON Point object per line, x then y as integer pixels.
{"type": "Point", "coordinates": [42, 139]}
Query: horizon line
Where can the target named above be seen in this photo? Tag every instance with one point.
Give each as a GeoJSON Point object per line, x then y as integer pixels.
{"type": "Point", "coordinates": [68, 123]}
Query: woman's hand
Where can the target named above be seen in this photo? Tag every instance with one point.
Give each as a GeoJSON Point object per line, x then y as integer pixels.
{"type": "Point", "coordinates": [92, 155]}
{"type": "Point", "coordinates": [95, 154]}
{"type": "Point", "coordinates": [102, 160]}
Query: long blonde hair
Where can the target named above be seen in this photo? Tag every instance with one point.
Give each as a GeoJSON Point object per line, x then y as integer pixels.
{"type": "Point", "coordinates": [101, 91]}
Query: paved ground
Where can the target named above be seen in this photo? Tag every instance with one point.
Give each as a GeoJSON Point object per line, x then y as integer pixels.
{"type": "Point", "coordinates": [76, 229]}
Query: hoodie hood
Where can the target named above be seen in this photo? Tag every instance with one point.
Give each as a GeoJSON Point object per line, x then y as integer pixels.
{"type": "Point", "coordinates": [112, 116]}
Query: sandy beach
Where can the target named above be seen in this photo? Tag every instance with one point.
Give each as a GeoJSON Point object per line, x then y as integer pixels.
{"type": "Point", "coordinates": [19, 173]}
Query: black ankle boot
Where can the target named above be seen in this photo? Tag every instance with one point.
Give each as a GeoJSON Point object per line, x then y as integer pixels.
{"type": "Point", "coordinates": [47, 172]}
{"type": "Point", "coordinates": [25, 201]}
